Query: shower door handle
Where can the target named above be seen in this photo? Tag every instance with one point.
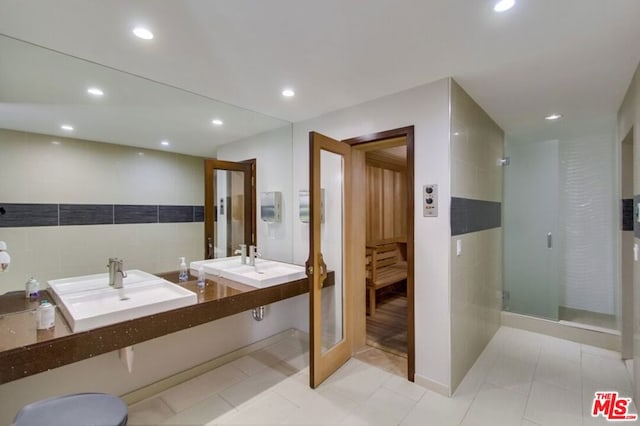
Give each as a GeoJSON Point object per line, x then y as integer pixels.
{"type": "Point", "coordinates": [549, 240]}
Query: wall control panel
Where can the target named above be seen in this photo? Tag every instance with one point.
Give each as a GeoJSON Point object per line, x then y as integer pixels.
{"type": "Point", "coordinates": [430, 200]}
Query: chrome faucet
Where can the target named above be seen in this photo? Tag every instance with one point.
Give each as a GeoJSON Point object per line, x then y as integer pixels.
{"type": "Point", "coordinates": [242, 251]}
{"type": "Point", "coordinates": [253, 253]}
{"type": "Point", "coordinates": [116, 272]}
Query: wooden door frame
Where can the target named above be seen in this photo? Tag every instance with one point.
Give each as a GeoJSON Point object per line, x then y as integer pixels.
{"type": "Point", "coordinates": [408, 134]}
{"type": "Point", "coordinates": [247, 166]}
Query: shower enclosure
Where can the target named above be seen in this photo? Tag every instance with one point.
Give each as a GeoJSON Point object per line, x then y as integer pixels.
{"type": "Point", "coordinates": [560, 226]}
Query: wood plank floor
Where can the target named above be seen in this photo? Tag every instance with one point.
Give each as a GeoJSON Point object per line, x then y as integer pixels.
{"type": "Point", "coordinates": [387, 328]}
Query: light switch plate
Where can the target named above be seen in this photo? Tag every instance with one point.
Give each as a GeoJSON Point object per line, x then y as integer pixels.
{"type": "Point", "coordinates": [430, 200]}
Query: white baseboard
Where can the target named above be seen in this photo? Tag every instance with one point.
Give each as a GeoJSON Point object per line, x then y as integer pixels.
{"type": "Point", "coordinates": [432, 385]}
{"type": "Point", "coordinates": [564, 330]}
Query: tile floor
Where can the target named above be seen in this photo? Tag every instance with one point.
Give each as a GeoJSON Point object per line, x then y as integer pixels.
{"type": "Point", "coordinates": [521, 378]}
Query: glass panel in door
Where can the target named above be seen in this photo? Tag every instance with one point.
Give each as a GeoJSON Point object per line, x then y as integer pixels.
{"type": "Point", "coordinates": [531, 245]}
{"type": "Point", "coordinates": [329, 194]}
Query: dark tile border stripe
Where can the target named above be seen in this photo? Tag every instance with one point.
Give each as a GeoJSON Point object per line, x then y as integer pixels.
{"type": "Point", "coordinates": [627, 214]}
{"type": "Point", "coordinates": [127, 213]}
{"type": "Point", "coordinates": [469, 215]}
{"type": "Point", "coordinates": [32, 214]}
{"type": "Point", "coordinates": [636, 229]}
{"type": "Point", "coordinates": [86, 214]}
{"type": "Point", "coordinates": [18, 215]}
{"type": "Point", "coordinates": [173, 214]}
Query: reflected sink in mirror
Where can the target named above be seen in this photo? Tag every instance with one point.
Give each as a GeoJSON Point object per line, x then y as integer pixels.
{"type": "Point", "coordinates": [266, 273]}
{"type": "Point", "coordinates": [89, 302]}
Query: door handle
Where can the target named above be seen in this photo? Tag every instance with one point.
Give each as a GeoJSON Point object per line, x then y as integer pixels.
{"type": "Point", "coordinates": [308, 268]}
{"type": "Point", "coordinates": [549, 240]}
{"type": "Point", "coordinates": [323, 270]}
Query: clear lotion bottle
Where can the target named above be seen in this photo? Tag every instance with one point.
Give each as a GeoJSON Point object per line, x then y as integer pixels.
{"type": "Point", "coordinates": [183, 271]}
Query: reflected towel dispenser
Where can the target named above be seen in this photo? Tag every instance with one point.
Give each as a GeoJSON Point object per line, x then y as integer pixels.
{"type": "Point", "coordinates": [270, 206]}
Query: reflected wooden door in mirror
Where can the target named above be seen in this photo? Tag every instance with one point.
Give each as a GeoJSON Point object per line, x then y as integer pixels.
{"type": "Point", "coordinates": [230, 206]}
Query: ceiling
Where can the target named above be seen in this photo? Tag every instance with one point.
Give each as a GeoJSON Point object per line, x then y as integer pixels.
{"type": "Point", "coordinates": [575, 57]}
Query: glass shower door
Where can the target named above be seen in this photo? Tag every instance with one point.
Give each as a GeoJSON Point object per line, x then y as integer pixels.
{"type": "Point", "coordinates": [531, 244]}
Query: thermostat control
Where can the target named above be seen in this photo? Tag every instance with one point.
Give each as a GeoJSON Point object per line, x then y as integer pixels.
{"type": "Point", "coordinates": [430, 200]}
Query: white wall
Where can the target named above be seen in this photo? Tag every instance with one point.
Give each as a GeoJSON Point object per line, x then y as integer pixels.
{"type": "Point", "coordinates": [426, 107]}
{"type": "Point", "coordinates": [272, 151]}
{"type": "Point", "coordinates": [589, 209]}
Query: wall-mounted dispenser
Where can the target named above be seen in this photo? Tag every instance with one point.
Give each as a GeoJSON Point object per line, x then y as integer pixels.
{"type": "Point", "coordinates": [5, 259]}
{"type": "Point", "coordinates": [270, 206]}
{"type": "Point", "coordinates": [304, 205]}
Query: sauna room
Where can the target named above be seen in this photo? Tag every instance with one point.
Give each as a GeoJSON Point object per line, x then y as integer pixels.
{"type": "Point", "coordinates": [386, 256]}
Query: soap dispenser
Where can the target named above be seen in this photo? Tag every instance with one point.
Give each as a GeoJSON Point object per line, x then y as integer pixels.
{"type": "Point", "coordinates": [31, 288]}
{"type": "Point", "coordinates": [183, 271]}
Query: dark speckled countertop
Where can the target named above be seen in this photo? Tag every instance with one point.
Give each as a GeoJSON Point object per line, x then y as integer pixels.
{"type": "Point", "coordinates": [24, 350]}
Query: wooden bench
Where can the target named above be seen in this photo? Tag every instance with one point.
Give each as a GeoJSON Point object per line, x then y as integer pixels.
{"type": "Point", "coordinates": [386, 265]}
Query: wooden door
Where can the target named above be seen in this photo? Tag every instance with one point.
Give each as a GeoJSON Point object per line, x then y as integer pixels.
{"type": "Point", "coordinates": [329, 184]}
{"type": "Point", "coordinates": [229, 208]}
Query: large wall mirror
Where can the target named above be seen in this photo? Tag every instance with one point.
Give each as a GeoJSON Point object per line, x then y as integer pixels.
{"type": "Point", "coordinates": [42, 89]}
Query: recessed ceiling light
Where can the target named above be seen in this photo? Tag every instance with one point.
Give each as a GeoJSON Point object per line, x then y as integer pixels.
{"type": "Point", "coordinates": [143, 33]}
{"type": "Point", "coordinates": [66, 127]}
{"type": "Point", "coordinates": [217, 122]}
{"type": "Point", "coordinates": [503, 5]}
{"type": "Point", "coordinates": [288, 93]}
{"type": "Point", "coordinates": [95, 91]}
{"type": "Point", "coordinates": [55, 142]}
{"type": "Point", "coordinates": [164, 143]}
{"type": "Point", "coordinates": [456, 133]}
{"type": "Point", "coordinates": [553, 117]}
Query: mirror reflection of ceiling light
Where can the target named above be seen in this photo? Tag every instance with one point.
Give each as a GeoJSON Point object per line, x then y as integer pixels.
{"type": "Point", "coordinates": [553, 117]}
{"type": "Point", "coordinates": [503, 5]}
{"type": "Point", "coordinates": [143, 33]}
{"type": "Point", "coordinates": [288, 93]}
{"type": "Point", "coordinates": [217, 122]}
{"type": "Point", "coordinates": [67, 127]}
{"type": "Point", "coordinates": [95, 91]}
{"type": "Point", "coordinates": [164, 143]}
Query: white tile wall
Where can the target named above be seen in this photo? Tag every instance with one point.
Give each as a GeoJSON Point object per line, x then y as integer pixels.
{"type": "Point", "coordinates": [35, 170]}
{"type": "Point", "coordinates": [477, 144]}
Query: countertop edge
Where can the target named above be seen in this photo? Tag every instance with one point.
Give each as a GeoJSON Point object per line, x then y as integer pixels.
{"type": "Point", "coordinates": [24, 361]}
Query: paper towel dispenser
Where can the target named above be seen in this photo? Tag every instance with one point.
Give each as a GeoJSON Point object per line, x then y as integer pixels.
{"type": "Point", "coordinates": [270, 206]}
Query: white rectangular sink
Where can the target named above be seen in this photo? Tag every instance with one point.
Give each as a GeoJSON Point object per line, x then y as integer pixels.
{"type": "Point", "coordinates": [266, 273]}
{"type": "Point", "coordinates": [216, 266]}
{"type": "Point", "coordinates": [88, 302]}
{"type": "Point", "coordinates": [97, 282]}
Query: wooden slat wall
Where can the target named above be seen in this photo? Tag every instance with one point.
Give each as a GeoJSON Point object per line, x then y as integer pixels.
{"type": "Point", "coordinates": [386, 202]}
